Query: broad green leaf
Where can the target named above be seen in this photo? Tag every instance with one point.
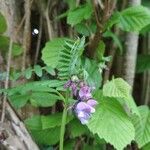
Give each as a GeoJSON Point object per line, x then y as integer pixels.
{"type": "Point", "coordinates": [146, 147]}
{"type": "Point", "coordinates": [143, 63]}
{"type": "Point", "coordinates": [28, 73]}
{"type": "Point", "coordinates": [51, 51]}
{"type": "Point", "coordinates": [129, 105]}
{"type": "Point", "coordinates": [53, 120]}
{"type": "Point", "coordinates": [18, 100]}
{"type": "Point", "coordinates": [112, 124]}
{"type": "Point", "coordinates": [3, 25]}
{"type": "Point", "coordinates": [43, 99]}
{"type": "Point", "coordinates": [116, 88]}
{"type": "Point", "coordinates": [77, 15]}
{"type": "Point", "coordinates": [77, 129]}
{"type": "Point", "coordinates": [34, 123]}
{"type": "Point", "coordinates": [69, 144]}
{"type": "Point", "coordinates": [131, 19]}
{"type": "Point", "coordinates": [142, 126]}
{"type": "Point", "coordinates": [38, 70]}
{"type": "Point", "coordinates": [46, 137]}
{"type": "Point", "coordinates": [115, 38]}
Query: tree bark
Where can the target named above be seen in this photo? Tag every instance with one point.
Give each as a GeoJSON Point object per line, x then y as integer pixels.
{"type": "Point", "coordinates": [131, 47]}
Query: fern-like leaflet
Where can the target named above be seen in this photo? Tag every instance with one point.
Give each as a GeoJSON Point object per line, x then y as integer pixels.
{"type": "Point", "coordinates": [69, 61]}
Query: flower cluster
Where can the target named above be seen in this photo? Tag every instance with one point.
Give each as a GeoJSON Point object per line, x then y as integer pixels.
{"type": "Point", "coordinates": [85, 104]}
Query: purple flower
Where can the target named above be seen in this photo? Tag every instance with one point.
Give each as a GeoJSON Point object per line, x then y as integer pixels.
{"type": "Point", "coordinates": [68, 84]}
{"type": "Point", "coordinates": [74, 88]}
{"type": "Point", "coordinates": [85, 104]}
{"type": "Point", "coordinates": [83, 111]}
{"type": "Point", "coordinates": [85, 92]}
{"type": "Point", "coordinates": [92, 102]}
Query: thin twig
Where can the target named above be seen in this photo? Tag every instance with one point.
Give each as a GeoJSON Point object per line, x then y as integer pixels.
{"type": "Point", "coordinates": [48, 21]}
{"type": "Point", "coordinates": [96, 15]}
{"type": "Point", "coordinates": [6, 80]}
{"type": "Point", "coordinates": [39, 40]}
{"type": "Point", "coordinates": [26, 34]}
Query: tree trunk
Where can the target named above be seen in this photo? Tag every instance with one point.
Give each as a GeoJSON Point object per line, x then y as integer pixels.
{"type": "Point", "coordinates": [131, 47]}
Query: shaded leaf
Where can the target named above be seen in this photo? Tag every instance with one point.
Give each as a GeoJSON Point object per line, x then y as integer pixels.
{"type": "Point", "coordinates": [112, 124]}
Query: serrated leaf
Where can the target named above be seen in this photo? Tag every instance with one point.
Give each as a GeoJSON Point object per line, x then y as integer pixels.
{"type": "Point", "coordinates": [38, 70]}
{"type": "Point", "coordinates": [43, 99]}
{"type": "Point", "coordinates": [92, 74]}
{"type": "Point", "coordinates": [117, 88]}
{"type": "Point", "coordinates": [19, 101]}
{"type": "Point", "coordinates": [142, 126]}
{"type": "Point", "coordinates": [28, 73]}
{"type": "Point", "coordinates": [77, 129]}
{"type": "Point", "coordinates": [131, 19]}
{"type": "Point", "coordinates": [112, 124]}
{"type": "Point", "coordinates": [3, 24]}
{"type": "Point", "coordinates": [77, 15]}
{"type": "Point", "coordinates": [143, 63]}
{"type": "Point", "coordinates": [51, 52]}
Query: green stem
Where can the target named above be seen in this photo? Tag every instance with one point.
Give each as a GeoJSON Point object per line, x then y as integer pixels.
{"type": "Point", "coordinates": [62, 131]}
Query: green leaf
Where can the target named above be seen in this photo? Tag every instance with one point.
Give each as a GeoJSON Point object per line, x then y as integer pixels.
{"type": "Point", "coordinates": [100, 50]}
{"type": "Point", "coordinates": [34, 123]}
{"type": "Point", "coordinates": [53, 120]}
{"type": "Point", "coordinates": [112, 124]}
{"type": "Point", "coordinates": [146, 147]}
{"type": "Point", "coordinates": [50, 70]}
{"type": "Point", "coordinates": [46, 137]}
{"type": "Point", "coordinates": [18, 100]}
{"type": "Point", "coordinates": [82, 29]}
{"type": "Point", "coordinates": [51, 52]}
{"type": "Point", "coordinates": [129, 105]}
{"type": "Point", "coordinates": [77, 15]}
{"type": "Point", "coordinates": [70, 61]}
{"type": "Point", "coordinates": [38, 70]}
{"type": "Point", "coordinates": [28, 73]}
{"type": "Point", "coordinates": [36, 86]}
{"type": "Point", "coordinates": [77, 129]}
{"type": "Point", "coordinates": [117, 88]}
{"type": "Point", "coordinates": [115, 39]}
{"type": "Point", "coordinates": [3, 25]}
{"type": "Point", "coordinates": [4, 44]}
{"type": "Point", "coordinates": [143, 63]}
{"type": "Point", "coordinates": [69, 144]}
{"type": "Point", "coordinates": [142, 126]}
{"type": "Point", "coordinates": [43, 99]}
{"type": "Point", "coordinates": [16, 49]}
{"type": "Point", "coordinates": [131, 19]}
{"type": "Point", "coordinates": [91, 73]}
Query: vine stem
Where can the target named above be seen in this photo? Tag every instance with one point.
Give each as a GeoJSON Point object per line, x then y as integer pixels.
{"type": "Point", "coordinates": [62, 130]}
